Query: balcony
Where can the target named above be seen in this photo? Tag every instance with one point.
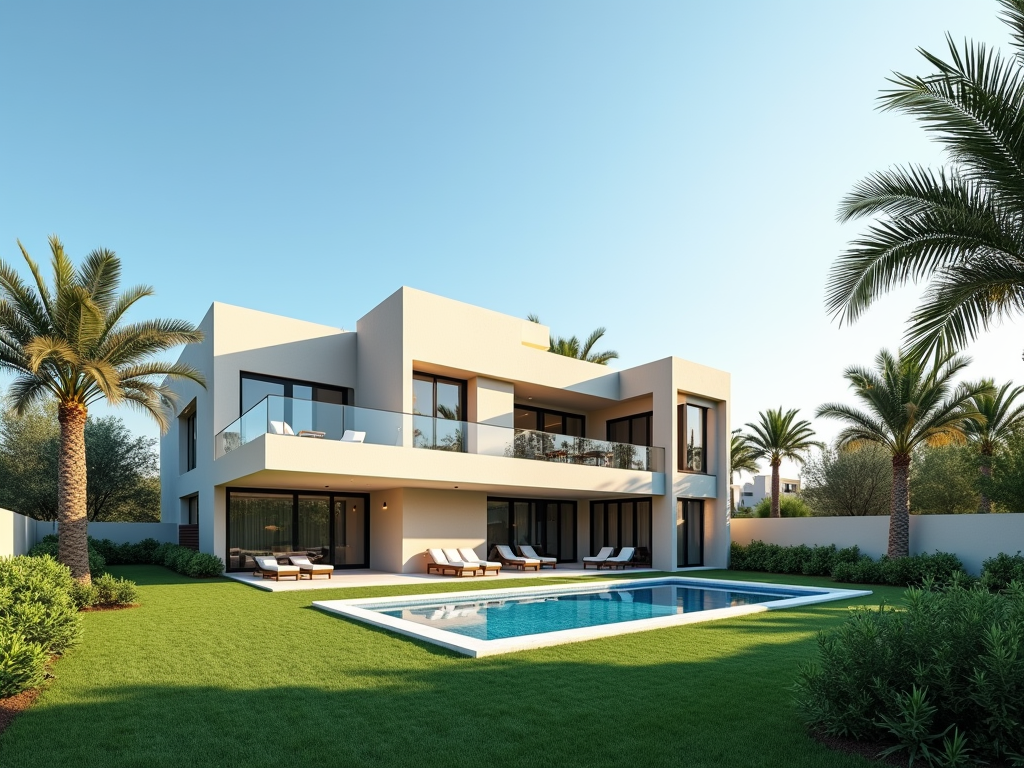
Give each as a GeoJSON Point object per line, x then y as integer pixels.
{"type": "Point", "coordinates": [310, 420]}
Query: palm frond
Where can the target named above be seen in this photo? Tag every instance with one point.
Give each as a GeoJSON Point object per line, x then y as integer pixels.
{"type": "Point", "coordinates": [100, 276]}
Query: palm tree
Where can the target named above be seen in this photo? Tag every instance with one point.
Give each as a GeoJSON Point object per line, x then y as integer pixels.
{"type": "Point", "coordinates": [742, 456]}
{"type": "Point", "coordinates": [1001, 420]}
{"type": "Point", "coordinates": [959, 229]}
{"type": "Point", "coordinates": [906, 405]}
{"type": "Point", "coordinates": [571, 347]}
{"type": "Point", "coordinates": [780, 436]}
{"type": "Point", "coordinates": [71, 342]}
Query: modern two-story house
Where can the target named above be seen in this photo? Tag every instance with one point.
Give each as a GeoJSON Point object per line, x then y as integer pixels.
{"type": "Point", "coordinates": [438, 423]}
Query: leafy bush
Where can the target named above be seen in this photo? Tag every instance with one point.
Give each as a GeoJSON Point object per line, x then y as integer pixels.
{"type": "Point", "coordinates": [22, 663]}
{"type": "Point", "coordinates": [187, 561]}
{"type": "Point", "coordinates": [944, 676]}
{"type": "Point", "coordinates": [810, 561]}
{"type": "Point", "coordinates": [109, 590]}
{"type": "Point", "coordinates": [36, 602]}
{"type": "Point", "coordinates": [997, 572]}
{"type": "Point", "coordinates": [203, 564]}
{"type": "Point", "coordinates": [125, 554]}
{"type": "Point", "coordinates": [863, 570]}
{"type": "Point", "coordinates": [789, 506]}
{"type": "Point", "coordinates": [48, 546]}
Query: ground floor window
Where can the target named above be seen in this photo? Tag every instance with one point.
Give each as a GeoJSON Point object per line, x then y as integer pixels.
{"type": "Point", "coordinates": [326, 527]}
{"type": "Point", "coordinates": [689, 533]}
{"type": "Point", "coordinates": [621, 523]}
{"type": "Point", "coordinates": [548, 526]}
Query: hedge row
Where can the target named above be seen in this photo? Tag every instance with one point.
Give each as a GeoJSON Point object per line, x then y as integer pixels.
{"type": "Point", "coordinates": [104, 552]}
{"type": "Point", "coordinates": [187, 561]}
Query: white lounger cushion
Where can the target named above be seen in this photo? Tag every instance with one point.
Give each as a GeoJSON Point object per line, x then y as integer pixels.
{"type": "Point", "coordinates": [601, 556]}
{"type": "Point", "coordinates": [471, 557]}
{"type": "Point", "coordinates": [454, 556]}
{"type": "Point", "coordinates": [437, 556]}
{"type": "Point", "coordinates": [506, 552]}
{"type": "Point", "coordinates": [624, 556]}
{"type": "Point", "coordinates": [351, 436]}
{"type": "Point", "coordinates": [271, 564]}
{"type": "Point", "coordinates": [281, 428]}
{"type": "Point", "coordinates": [529, 551]}
{"type": "Point", "coordinates": [305, 563]}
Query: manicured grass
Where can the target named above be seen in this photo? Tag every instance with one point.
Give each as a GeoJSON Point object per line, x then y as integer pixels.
{"type": "Point", "coordinates": [213, 672]}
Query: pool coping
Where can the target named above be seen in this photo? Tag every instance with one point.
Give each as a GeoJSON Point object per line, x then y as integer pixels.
{"type": "Point", "coordinates": [475, 648]}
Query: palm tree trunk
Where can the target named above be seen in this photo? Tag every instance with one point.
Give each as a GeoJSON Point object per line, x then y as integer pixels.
{"type": "Point", "coordinates": [899, 517]}
{"type": "Point", "coordinates": [985, 503]}
{"type": "Point", "coordinates": [73, 546]}
{"type": "Point", "coordinates": [775, 489]}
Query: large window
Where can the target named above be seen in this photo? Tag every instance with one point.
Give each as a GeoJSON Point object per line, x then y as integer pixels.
{"type": "Point", "coordinates": [439, 408]}
{"type": "Point", "coordinates": [693, 438]}
{"type": "Point", "coordinates": [635, 430]}
{"type": "Point", "coordinates": [326, 527]}
{"type": "Point", "coordinates": [191, 438]}
{"type": "Point", "coordinates": [621, 523]}
{"type": "Point", "coordinates": [689, 533]}
{"type": "Point", "coordinates": [256, 386]}
{"type": "Point", "coordinates": [548, 526]}
{"type": "Point", "coordinates": [547, 420]}
{"type": "Point", "coordinates": [193, 510]}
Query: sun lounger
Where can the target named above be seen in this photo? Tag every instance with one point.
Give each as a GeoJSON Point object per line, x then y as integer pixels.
{"type": "Point", "coordinates": [442, 565]}
{"type": "Point", "coordinates": [268, 567]}
{"type": "Point", "coordinates": [507, 557]}
{"type": "Point", "coordinates": [599, 558]}
{"type": "Point", "coordinates": [621, 560]}
{"type": "Point", "coordinates": [529, 552]}
{"type": "Point", "coordinates": [467, 555]}
{"type": "Point", "coordinates": [306, 568]}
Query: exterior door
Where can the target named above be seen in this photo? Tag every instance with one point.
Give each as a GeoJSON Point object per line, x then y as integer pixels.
{"type": "Point", "coordinates": [689, 533]}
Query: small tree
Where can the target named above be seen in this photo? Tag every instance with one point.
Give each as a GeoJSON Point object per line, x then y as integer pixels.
{"type": "Point", "coordinates": [779, 436]}
{"type": "Point", "coordinates": [1005, 485]}
{"type": "Point", "coordinates": [854, 481]}
{"type": "Point", "coordinates": [1001, 420]}
{"type": "Point", "coordinates": [944, 479]}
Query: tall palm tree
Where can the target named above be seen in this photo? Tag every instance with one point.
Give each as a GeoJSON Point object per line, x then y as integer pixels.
{"type": "Point", "coordinates": [908, 402]}
{"type": "Point", "coordinates": [70, 342]}
{"type": "Point", "coordinates": [742, 457]}
{"type": "Point", "coordinates": [571, 347]}
{"type": "Point", "coordinates": [1001, 420]}
{"type": "Point", "coordinates": [959, 229]}
{"type": "Point", "coordinates": [779, 436]}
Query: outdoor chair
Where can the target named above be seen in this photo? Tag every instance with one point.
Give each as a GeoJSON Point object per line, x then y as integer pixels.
{"type": "Point", "coordinates": [529, 552]}
{"type": "Point", "coordinates": [467, 555]}
{"type": "Point", "coordinates": [310, 569]}
{"type": "Point", "coordinates": [599, 558]}
{"type": "Point", "coordinates": [351, 436]}
{"type": "Point", "coordinates": [281, 428]}
{"type": "Point", "coordinates": [442, 565]}
{"type": "Point", "coordinates": [269, 568]}
{"type": "Point", "coordinates": [621, 560]}
{"type": "Point", "coordinates": [507, 557]}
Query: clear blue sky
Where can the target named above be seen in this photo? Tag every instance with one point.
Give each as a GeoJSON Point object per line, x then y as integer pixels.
{"type": "Point", "coordinates": [670, 170]}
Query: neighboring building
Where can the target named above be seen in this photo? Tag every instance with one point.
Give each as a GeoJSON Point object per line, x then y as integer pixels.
{"type": "Point", "coordinates": [750, 494]}
{"type": "Point", "coordinates": [475, 435]}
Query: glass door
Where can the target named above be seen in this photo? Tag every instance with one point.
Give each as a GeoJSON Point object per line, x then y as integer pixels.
{"type": "Point", "coordinates": [313, 531]}
{"type": "Point", "coordinates": [351, 532]}
{"type": "Point", "coordinates": [548, 526]}
{"type": "Point", "coordinates": [689, 533]}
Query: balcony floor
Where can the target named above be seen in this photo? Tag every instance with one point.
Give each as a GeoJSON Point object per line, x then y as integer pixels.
{"type": "Point", "coordinates": [370, 578]}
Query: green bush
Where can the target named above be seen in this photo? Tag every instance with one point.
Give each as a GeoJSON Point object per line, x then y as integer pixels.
{"type": "Point", "coordinates": [997, 572]}
{"type": "Point", "coordinates": [22, 663]}
{"type": "Point", "coordinates": [109, 590]}
{"type": "Point", "coordinates": [187, 561]}
{"type": "Point", "coordinates": [125, 554]}
{"type": "Point", "coordinates": [863, 570]}
{"type": "Point", "coordinates": [48, 546]}
{"type": "Point", "coordinates": [36, 602]}
{"type": "Point", "coordinates": [789, 506]}
{"type": "Point", "coordinates": [772, 558]}
{"type": "Point", "coordinates": [202, 565]}
{"type": "Point", "coordinates": [943, 675]}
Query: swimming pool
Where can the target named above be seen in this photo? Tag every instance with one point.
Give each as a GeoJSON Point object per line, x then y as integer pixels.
{"type": "Point", "coordinates": [486, 622]}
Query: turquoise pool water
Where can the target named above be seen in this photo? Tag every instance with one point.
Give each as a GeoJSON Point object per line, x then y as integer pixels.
{"type": "Point", "coordinates": [552, 611]}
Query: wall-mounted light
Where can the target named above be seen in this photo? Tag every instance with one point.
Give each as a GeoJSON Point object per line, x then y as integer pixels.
{"type": "Point", "coordinates": [384, 505]}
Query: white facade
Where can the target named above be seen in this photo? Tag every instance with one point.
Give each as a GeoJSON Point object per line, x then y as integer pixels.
{"type": "Point", "coordinates": [412, 498]}
{"type": "Point", "coordinates": [760, 487]}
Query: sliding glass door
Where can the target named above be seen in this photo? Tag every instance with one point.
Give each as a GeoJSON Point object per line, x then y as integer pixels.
{"type": "Point", "coordinates": [620, 523]}
{"type": "Point", "coordinates": [548, 526]}
{"type": "Point", "coordinates": [689, 533]}
{"type": "Point", "coordinates": [351, 532]}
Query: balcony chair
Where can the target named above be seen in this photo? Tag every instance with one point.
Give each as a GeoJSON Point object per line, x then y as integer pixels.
{"type": "Point", "coordinates": [507, 557]}
{"type": "Point", "coordinates": [442, 565]}
{"type": "Point", "coordinates": [351, 436]}
{"type": "Point", "coordinates": [281, 428]}
{"type": "Point", "coordinates": [467, 555]}
{"type": "Point", "coordinates": [268, 567]}
{"type": "Point", "coordinates": [621, 560]}
{"type": "Point", "coordinates": [599, 558]}
{"type": "Point", "coordinates": [529, 552]}
{"type": "Point", "coordinates": [309, 569]}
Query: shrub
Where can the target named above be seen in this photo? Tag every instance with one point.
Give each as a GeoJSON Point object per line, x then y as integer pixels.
{"type": "Point", "coordinates": [48, 546]}
{"type": "Point", "coordinates": [863, 570]}
{"type": "Point", "coordinates": [187, 561]}
{"type": "Point", "coordinates": [140, 553]}
{"type": "Point", "coordinates": [22, 663]}
{"type": "Point", "coordinates": [36, 602]}
{"type": "Point", "coordinates": [789, 506]}
{"type": "Point", "coordinates": [997, 572]}
{"type": "Point", "coordinates": [810, 561]}
{"type": "Point", "coordinates": [109, 590]}
{"type": "Point", "coordinates": [943, 675]}
{"type": "Point", "coordinates": [203, 564]}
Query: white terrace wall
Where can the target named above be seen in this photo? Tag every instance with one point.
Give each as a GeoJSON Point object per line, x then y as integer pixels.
{"type": "Point", "coordinates": [18, 534]}
{"type": "Point", "coordinates": [973, 538]}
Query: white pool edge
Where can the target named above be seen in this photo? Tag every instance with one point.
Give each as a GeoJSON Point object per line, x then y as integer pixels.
{"type": "Point", "coordinates": [475, 648]}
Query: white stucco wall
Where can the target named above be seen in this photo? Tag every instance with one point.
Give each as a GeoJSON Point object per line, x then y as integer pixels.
{"type": "Point", "coordinates": [973, 538]}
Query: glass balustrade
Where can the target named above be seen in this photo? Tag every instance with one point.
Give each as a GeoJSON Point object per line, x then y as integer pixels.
{"type": "Point", "coordinates": [348, 423]}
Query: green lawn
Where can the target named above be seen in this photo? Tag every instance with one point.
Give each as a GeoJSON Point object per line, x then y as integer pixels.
{"type": "Point", "coordinates": [217, 673]}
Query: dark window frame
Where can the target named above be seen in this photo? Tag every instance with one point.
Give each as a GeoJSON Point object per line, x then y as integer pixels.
{"type": "Point", "coordinates": [539, 412]}
{"type": "Point", "coordinates": [535, 514]}
{"type": "Point", "coordinates": [332, 495]}
{"type": "Point", "coordinates": [595, 547]}
{"type": "Point", "coordinates": [649, 415]}
{"type": "Point", "coordinates": [435, 378]}
{"type": "Point", "coordinates": [683, 426]}
{"type": "Point", "coordinates": [682, 561]}
{"type": "Point", "coordinates": [191, 440]}
{"type": "Point", "coordinates": [289, 384]}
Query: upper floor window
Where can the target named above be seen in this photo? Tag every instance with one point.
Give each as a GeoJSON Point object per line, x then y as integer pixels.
{"type": "Point", "coordinates": [189, 436]}
{"type": "Point", "coordinates": [547, 420]}
{"type": "Point", "coordinates": [693, 438]}
{"type": "Point", "coordinates": [635, 429]}
{"type": "Point", "coordinates": [438, 396]}
{"type": "Point", "coordinates": [256, 386]}
{"type": "Point", "coordinates": [789, 488]}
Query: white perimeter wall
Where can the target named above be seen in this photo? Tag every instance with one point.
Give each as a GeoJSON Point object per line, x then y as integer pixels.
{"type": "Point", "coordinates": [18, 534]}
{"type": "Point", "coordinates": [973, 538]}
